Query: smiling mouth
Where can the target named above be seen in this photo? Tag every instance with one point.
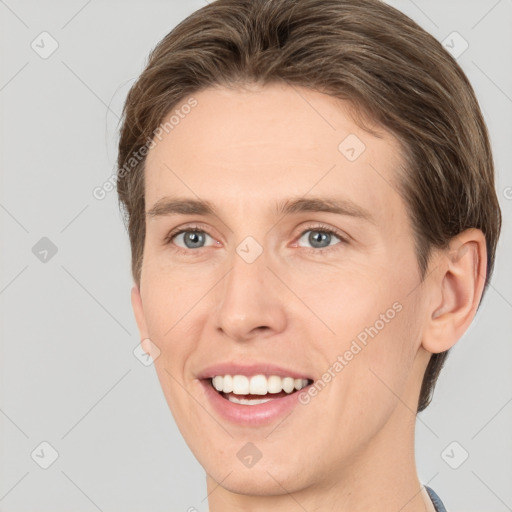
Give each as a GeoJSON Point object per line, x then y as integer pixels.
{"type": "Point", "coordinates": [256, 389]}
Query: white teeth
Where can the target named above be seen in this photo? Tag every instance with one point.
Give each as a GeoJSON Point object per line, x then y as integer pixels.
{"type": "Point", "coordinates": [218, 382]}
{"type": "Point", "coordinates": [246, 401]}
{"type": "Point", "coordinates": [288, 385]}
{"type": "Point", "coordinates": [228, 384]}
{"type": "Point", "coordinates": [240, 385]}
{"type": "Point", "coordinates": [274, 384]}
{"type": "Point", "coordinates": [257, 384]}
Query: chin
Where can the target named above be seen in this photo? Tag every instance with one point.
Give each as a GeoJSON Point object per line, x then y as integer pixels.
{"type": "Point", "coordinates": [247, 482]}
{"type": "Point", "coordinates": [265, 478]}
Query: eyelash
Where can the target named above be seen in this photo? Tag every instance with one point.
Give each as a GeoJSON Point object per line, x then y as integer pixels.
{"type": "Point", "coordinates": [317, 227]}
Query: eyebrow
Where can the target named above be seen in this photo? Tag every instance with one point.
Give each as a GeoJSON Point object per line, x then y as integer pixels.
{"type": "Point", "coordinates": [183, 206]}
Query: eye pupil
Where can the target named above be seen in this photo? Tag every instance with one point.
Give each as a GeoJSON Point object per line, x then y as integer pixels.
{"type": "Point", "coordinates": [319, 237]}
{"type": "Point", "coordinates": [195, 238]}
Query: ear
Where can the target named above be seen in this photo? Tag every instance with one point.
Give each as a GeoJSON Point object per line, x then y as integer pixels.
{"type": "Point", "coordinates": [457, 288]}
{"type": "Point", "coordinates": [138, 311]}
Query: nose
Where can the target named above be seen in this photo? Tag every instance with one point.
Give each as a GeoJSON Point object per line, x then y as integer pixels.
{"type": "Point", "coordinates": [251, 301]}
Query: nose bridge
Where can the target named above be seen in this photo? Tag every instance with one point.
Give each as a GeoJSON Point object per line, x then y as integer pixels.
{"type": "Point", "coordinates": [249, 298]}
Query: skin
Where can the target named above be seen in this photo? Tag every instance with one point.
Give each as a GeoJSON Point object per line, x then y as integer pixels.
{"type": "Point", "coordinates": [297, 305]}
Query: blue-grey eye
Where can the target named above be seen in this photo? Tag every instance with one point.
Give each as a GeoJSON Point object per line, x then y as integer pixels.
{"type": "Point", "coordinates": [320, 238]}
{"type": "Point", "coordinates": [191, 239]}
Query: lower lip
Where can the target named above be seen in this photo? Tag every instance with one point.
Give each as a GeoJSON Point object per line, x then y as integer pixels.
{"type": "Point", "coordinates": [259, 414]}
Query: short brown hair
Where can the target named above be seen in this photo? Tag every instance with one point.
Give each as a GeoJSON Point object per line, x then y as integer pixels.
{"type": "Point", "coordinates": [393, 72]}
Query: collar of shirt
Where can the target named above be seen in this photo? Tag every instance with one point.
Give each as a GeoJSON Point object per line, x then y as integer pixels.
{"type": "Point", "coordinates": [436, 500]}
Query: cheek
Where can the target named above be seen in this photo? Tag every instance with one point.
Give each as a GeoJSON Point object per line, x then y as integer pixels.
{"type": "Point", "coordinates": [189, 418]}
{"type": "Point", "coordinates": [169, 298]}
{"type": "Point", "coordinates": [347, 301]}
{"type": "Point", "coordinates": [375, 340]}
{"type": "Point", "coordinates": [379, 371]}
{"type": "Point", "coordinates": [170, 311]}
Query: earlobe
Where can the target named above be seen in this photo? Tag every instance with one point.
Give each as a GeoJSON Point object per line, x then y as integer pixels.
{"type": "Point", "coordinates": [456, 291]}
{"type": "Point", "coordinates": [138, 311]}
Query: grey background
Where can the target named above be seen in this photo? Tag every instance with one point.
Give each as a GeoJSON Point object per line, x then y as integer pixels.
{"type": "Point", "coordinates": [68, 375]}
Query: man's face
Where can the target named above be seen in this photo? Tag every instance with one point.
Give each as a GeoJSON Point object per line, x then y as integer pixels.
{"type": "Point", "coordinates": [262, 289]}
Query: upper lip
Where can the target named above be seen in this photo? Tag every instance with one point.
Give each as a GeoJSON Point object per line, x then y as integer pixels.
{"type": "Point", "coordinates": [249, 369]}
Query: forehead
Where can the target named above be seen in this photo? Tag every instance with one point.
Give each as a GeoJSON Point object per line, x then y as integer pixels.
{"type": "Point", "coordinates": [267, 143]}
